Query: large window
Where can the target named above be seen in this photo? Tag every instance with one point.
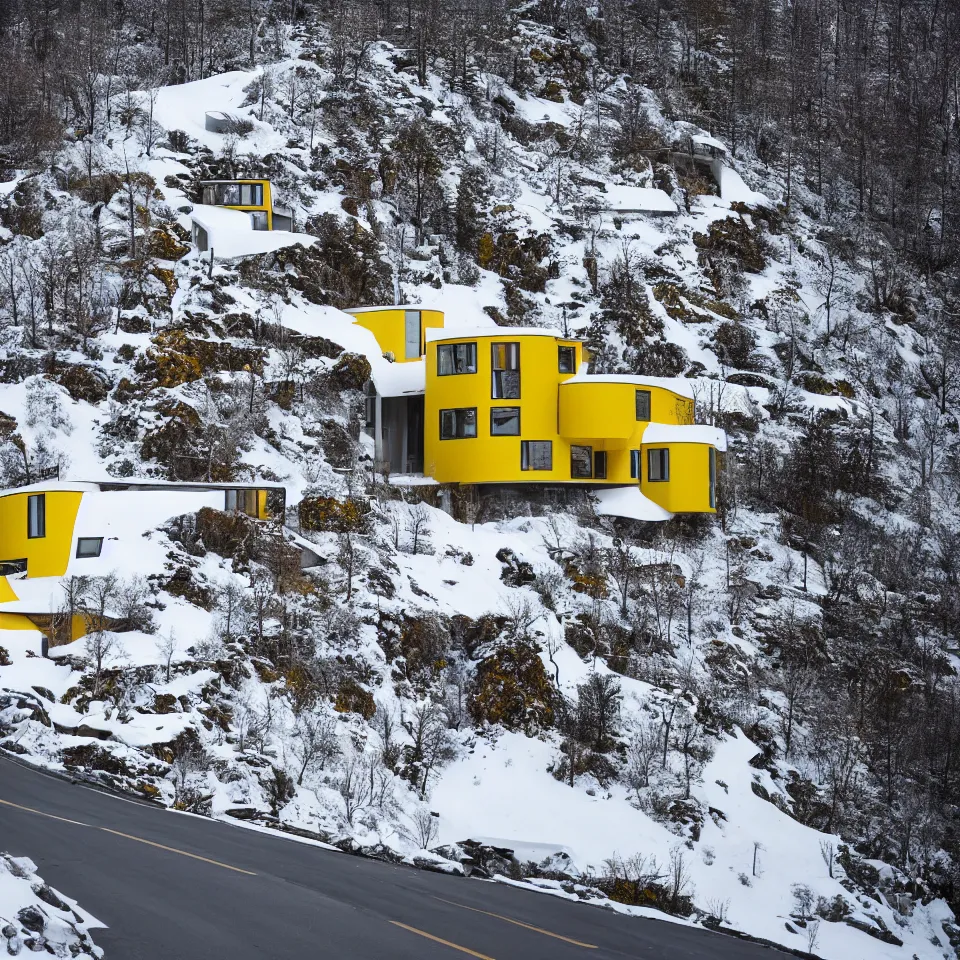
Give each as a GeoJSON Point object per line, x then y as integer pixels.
{"type": "Point", "coordinates": [536, 455]}
{"type": "Point", "coordinates": [643, 404]}
{"type": "Point", "coordinates": [88, 547]}
{"type": "Point", "coordinates": [713, 479]}
{"type": "Point", "coordinates": [567, 359]}
{"type": "Point", "coordinates": [634, 464]}
{"type": "Point", "coordinates": [600, 465]}
{"type": "Point", "coordinates": [458, 424]}
{"type": "Point", "coordinates": [504, 421]}
{"type": "Point", "coordinates": [506, 371]}
{"type": "Point", "coordinates": [581, 462]}
{"type": "Point", "coordinates": [456, 358]}
{"type": "Point", "coordinates": [242, 501]}
{"type": "Point", "coordinates": [413, 334]}
{"type": "Point", "coordinates": [234, 194]}
{"type": "Point", "coordinates": [258, 220]}
{"type": "Point", "coordinates": [37, 516]}
{"type": "Point", "coordinates": [10, 567]}
{"type": "Point", "coordinates": [658, 464]}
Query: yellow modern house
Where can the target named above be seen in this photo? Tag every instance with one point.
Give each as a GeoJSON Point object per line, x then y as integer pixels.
{"type": "Point", "coordinates": [502, 405]}
{"type": "Point", "coordinates": [55, 530]}
{"type": "Point", "coordinates": [256, 198]}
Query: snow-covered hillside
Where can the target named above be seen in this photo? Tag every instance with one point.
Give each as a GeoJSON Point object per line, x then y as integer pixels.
{"type": "Point", "coordinates": [710, 718]}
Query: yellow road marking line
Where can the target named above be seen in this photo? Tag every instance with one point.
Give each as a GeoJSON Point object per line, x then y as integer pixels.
{"type": "Point", "coordinates": [526, 926]}
{"type": "Point", "coordinates": [446, 943]}
{"type": "Point", "coordinates": [183, 853]}
{"type": "Point", "coordinates": [40, 813]}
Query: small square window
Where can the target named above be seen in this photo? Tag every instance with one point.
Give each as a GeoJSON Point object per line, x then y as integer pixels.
{"type": "Point", "coordinates": [658, 465]}
{"type": "Point", "coordinates": [37, 516]}
{"type": "Point", "coordinates": [581, 462]}
{"type": "Point", "coordinates": [567, 359]}
{"type": "Point", "coordinates": [536, 455]}
{"type": "Point", "coordinates": [458, 424]}
{"type": "Point", "coordinates": [504, 421]}
{"type": "Point", "coordinates": [643, 404]}
{"type": "Point", "coordinates": [88, 547]}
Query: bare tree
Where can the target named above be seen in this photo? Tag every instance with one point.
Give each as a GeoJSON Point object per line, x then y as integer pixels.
{"type": "Point", "coordinates": [166, 648]}
{"type": "Point", "coordinates": [314, 742]}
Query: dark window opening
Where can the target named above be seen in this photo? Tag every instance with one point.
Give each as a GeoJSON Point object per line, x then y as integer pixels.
{"type": "Point", "coordinates": [89, 547]}
{"type": "Point", "coordinates": [233, 194]}
{"type": "Point", "coordinates": [10, 567]}
{"type": "Point", "coordinates": [713, 479]}
{"type": "Point", "coordinates": [600, 465]}
{"type": "Point", "coordinates": [634, 464]}
{"type": "Point", "coordinates": [567, 362]}
{"type": "Point", "coordinates": [536, 455]}
{"type": "Point", "coordinates": [643, 404]}
{"type": "Point", "coordinates": [37, 516]}
{"type": "Point", "coordinates": [658, 465]}
{"type": "Point", "coordinates": [504, 421]}
{"type": "Point", "coordinates": [505, 359]}
{"type": "Point", "coordinates": [458, 424]}
{"type": "Point", "coordinates": [455, 358]}
{"type": "Point", "coordinates": [581, 462]}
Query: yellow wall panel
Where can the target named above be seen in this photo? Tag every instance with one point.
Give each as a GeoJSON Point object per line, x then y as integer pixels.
{"type": "Point", "coordinates": [389, 327]}
{"type": "Point", "coordinates": [46, 556]}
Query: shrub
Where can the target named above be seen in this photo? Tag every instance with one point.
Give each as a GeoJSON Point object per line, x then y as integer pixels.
{"type": "Point", "coordinates": [330, 515]}
{"type": "Point", "coordinates": [352, 698]}
{"type": "Point", "coordinates": [512, 688]}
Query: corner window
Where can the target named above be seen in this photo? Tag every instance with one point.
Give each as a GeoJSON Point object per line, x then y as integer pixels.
{"type": "Point", "coordinates": [634, 464]}
{"type": "Point", "coordinates": [10, 567]}
{"type": "Point", "coordinates": [658, 465]}
{"type": "Point", "coordinates": [242, 501]}
{"type": "Point", "coordinates": [581, 462]}
{"type": "Point", "coordinates": [567, 359]}
{"type": "Point", "coordinates": [458, 424]}
{"type": "Point", "coordinates": [89, 547]}
{"type": "Point", "coordinates": [37, 516]}
{"type": "Point", "coordinates": [600, 465]}
{"type": "Point", "coordinates": [504, 421]}
{"type": "Point", "coordinates": [505, 360]}
{"type": "Point", "coordinates": [643, 404]}
{"type": "Point", "coordinates": [536, 455]}
{"type": "Point", "coordinates": [455, 358]}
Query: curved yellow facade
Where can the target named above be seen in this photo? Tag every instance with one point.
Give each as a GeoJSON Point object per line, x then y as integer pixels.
{"type": "Point", "coordinates": [691, 487]}
{"type": "Point", "coordinates": [47, 555]}
{"type": "Point", "coordinates": [400, 331]}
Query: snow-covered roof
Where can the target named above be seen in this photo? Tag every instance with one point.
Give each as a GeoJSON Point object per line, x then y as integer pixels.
{"type": "Point", "coordinates": [732, 187]}
{"type": "Point", "coordinates": [625, 199]}
{"type": "Point", "coordinates": [687, 433]}
{"type": "Point", "coordinates": [466, 333]}
{"type": "Point", "coordinates": [629, 502]}
{"type": "Point", "coordinates": [677, 385]}
{"type": "Point", "coordinates": [705, 140]}
{"type": "Point", "coordinates": [49, 486]}
{"type": "Point", "coordinates": [393, 306]}
{"type": "Point", "coordinates": [230, 233]}
{"type": "Point", "coordinates": [133, 484]}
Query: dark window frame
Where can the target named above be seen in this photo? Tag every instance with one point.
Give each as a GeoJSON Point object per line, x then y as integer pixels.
{"type": "Point", "coordinates": [566, 351]}
{"type": "Point", "coordinates": [452, 347]}
{"type": "Point", "coordinates": [9, 568]}
{"type": "Point", "coordinates": [588, 456]}
{"type": "Point", "coordinates": [712, 455]}
{"type": "Point", "coordinates": [663, 455]}
{"type": "Point", "coordinates": [526, 455]}
{"type": "Point", "coordinates": [86, 555]}
{"type": "Point", "coordinates": [457, 423]}
{"type": "Point", "coordinates": [646, 404]}
{"type": "Point", "coordinates": [501, 433]}
{"type": "Point", "coordinates": [635, 464]}
{"type": "Point", "coordinates": [41, 499]}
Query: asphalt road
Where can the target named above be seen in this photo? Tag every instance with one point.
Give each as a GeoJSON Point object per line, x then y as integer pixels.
{"type": "Point", "coordinates": [176, 887]}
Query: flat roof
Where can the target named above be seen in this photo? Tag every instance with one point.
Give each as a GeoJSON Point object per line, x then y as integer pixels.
{"type": "Point", "coordinates": [685, 433]}
{"type": "Point", "coordinates": [134, 484]}
{"type": "Point", "coordinates": [677, 385]}
{"type": "Point", "coordinates": [240, 180]}
{"type": "Point", "coordinates": [391, 306]}
{"type": "Point", "coordinates": [473, 333]}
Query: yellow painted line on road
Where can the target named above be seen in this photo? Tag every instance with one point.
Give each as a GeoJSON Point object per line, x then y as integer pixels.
{"type": "Point", "coordinates": [519, 923]}
{"type": "Point", "coordinates": [183, 853]}
{"type": "Point", "coordinates": [40, 813]}
{"type": "Point", "coordinates": [446, 943]}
